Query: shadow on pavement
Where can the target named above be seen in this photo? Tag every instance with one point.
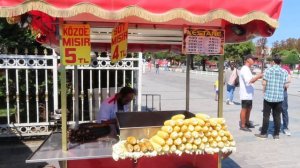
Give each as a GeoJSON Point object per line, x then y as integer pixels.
{"type": "Point", "coordinates": [229, 163]}
{"type": "Point", "coordinates": [236, 103]}
{"type": "Point", "coordinates": [14, 152]}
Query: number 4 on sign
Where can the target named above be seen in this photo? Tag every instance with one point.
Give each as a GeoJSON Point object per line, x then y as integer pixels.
{"type": "Point", "coordinates": [116, 53]}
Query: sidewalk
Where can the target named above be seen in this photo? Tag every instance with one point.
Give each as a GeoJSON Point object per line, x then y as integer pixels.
{"type": "Point", "coordinates": [251, 152]}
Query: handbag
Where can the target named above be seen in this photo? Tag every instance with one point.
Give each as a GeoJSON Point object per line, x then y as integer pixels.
{"type": "Point", "coordinates": [237, 80]}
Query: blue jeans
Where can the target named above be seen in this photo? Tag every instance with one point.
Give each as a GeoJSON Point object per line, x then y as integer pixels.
{"type": "Point", "coordinates": [285, 115]}
{"type": "Point", "coordinates": [230, 92]}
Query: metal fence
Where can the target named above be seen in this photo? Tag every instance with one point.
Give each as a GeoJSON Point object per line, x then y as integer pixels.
{"type": "Point", "coordinates": [29, 90]}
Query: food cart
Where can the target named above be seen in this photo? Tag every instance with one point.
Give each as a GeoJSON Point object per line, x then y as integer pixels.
{"type": "Point", "coordinates": [239, 20]}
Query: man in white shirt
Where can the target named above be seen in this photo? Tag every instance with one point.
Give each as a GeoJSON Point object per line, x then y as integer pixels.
{"type": "Point", "coordinates": [116, 103]}
{"type": "Point", "coordinates": [246, 92]}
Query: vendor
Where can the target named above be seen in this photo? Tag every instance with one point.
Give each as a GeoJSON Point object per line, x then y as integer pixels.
{"type": "Point", "coordinates": [117, 103]}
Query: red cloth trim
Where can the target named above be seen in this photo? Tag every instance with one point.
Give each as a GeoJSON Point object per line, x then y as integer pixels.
{"type": "Point", "coordinates": [198, 7]}
{"type": "Point", "coordinates": [113, 99]}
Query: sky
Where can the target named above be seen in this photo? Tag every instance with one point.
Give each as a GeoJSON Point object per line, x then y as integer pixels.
{"type": "Point", "coordinates": [289, 22]}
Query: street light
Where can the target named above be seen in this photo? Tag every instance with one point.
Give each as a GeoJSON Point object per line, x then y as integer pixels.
{"type": "Point", "coordinates": [262, 43]}
{"type": "Point", "coordinates": [263, 53]}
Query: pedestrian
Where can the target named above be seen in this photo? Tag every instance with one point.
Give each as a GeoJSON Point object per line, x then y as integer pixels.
{"type": "Point", "coordinates": [247, 80]}
{"type": "Point", "coordinates": [169, 65]}
{"type": "Point", "coordinates": [231, 74]}
{"type": "Point", "coordinates": [165, 63]}
{"type": "Point", "coordinates": [216, 89]}
{"type": "Point", "coordinates": [285, 115]}
{"type": "Point", "coordinates": [274, 81]}
{"type": "Point", "coordinates": [157, 67]}
{"type": "Point", "coordinates": [149, 64]}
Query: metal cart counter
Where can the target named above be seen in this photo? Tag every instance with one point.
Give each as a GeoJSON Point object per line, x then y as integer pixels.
{"type": "Point", "coordinates": [50, 150]}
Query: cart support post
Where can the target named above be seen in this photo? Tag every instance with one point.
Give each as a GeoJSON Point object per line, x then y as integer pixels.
{"type": "Point", "coordinates": [140, 75]}
{"type": "Point", "coordinates": [63, 94]}
{"type": "Point", "coordinates": [76, 96]}
{"type": "Point", "coordinates": [55, 81]}
{"type": "Point", "coordinates": [187, 87]}
{"type": "Point", "coordinates": [221, 85]}
{"type": "Point", "coordinates": [220, 96]}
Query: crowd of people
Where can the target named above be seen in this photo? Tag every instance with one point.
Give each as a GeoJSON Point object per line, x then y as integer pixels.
{"type": "Point", "coordinates": [275, 81]}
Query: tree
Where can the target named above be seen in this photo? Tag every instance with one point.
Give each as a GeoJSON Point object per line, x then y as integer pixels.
{"type": "Point", "coordinates": [290, 57]}
{"type": "Point", "coordinates": [236, 52]}
{"type": "Point", "coordinates": [288, 44]}
{"type": "Point", "coordinates": [261, 46]}
{"type": "Point", "coordinates": [12, 37]}
{"type": "Point", "coordinates": [161, 55]}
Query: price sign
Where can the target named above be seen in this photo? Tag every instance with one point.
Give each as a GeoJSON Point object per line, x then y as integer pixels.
{"type": "Point", "coordinates": [119, 42]}
{"type": "Point", "coordinates": [203, 41]}
{"type": "Point", "coordinates": [76, 45]}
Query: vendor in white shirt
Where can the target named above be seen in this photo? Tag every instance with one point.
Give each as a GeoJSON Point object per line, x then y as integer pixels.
{"type": "Point", "coordinates": [117, 103]}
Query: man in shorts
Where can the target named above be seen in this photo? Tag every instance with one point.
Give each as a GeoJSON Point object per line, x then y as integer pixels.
{"type": "Point", "coordinates": [247, 81]}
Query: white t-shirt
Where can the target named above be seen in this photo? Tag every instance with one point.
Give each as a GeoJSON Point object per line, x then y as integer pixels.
{"type": "Point", "coordinates": [108, 109]}
{"type": "Point", "coordinates": [246, 88]}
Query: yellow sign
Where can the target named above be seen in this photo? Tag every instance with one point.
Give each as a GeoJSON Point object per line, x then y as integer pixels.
{"type": "Point", "coordinates": [76, 45]}
{"type": "Point", "coordinates": [203, 41]}
{"type": "Point", "coordinates": [119, 41]}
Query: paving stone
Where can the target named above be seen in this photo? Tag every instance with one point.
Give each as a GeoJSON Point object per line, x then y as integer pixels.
{"type": "Point", "coordinates": [251, 151]}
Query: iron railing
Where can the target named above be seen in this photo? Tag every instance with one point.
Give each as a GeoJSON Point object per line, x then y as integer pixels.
{"type": "Point", "coordinates": [31, 92]}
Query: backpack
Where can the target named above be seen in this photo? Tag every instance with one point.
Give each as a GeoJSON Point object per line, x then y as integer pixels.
{"type": "Point", "coordinates": [237, 80]}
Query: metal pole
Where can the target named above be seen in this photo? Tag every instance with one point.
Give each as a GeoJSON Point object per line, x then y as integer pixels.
{"type": "Point", "coordinates": [146, 102]}
{"type": "Point", "coordinates": [263, 60]}
{"type": "Point", "coordinates": [55, 81]}
{"type": "Point", "coordinates": [159, 102]}
{"type": "Point", "coordinates": [90, 97]}
{"type": "Point", "coordinates": [76, 109]}
{"type": "Point", "coordinates": [187, 84]}
{"type": "Point", "coordinates": [152, 103]}
{"type": "Point", "coordinates": [221, 86]}
{"type": "Point", "coordinates": [140, 75]}
{"type": "Point", "coordinates": [63, 94]}
{"type": "Point", "coordinates": [220, 100]}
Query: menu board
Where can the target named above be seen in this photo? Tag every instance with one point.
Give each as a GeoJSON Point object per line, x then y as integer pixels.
{"type": "Point", "coordinates": [203, 41]}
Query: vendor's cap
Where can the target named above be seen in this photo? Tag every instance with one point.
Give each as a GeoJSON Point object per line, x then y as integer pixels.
{"type": "Point", "coordinates": [250, 56]}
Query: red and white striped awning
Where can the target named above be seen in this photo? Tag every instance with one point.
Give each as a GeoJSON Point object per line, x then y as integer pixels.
{"type": "Point", "coordinates": [252, 17]}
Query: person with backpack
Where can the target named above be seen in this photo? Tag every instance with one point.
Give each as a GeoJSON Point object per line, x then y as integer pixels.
{"type": "Point", "coordinates": [232, 81]}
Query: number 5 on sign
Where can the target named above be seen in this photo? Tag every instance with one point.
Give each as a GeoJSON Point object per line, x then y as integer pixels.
{"type": "Point", "coordinates": [76, 46]}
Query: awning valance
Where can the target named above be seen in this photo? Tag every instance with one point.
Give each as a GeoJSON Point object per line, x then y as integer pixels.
{"type": "Point", "coordinates": [192, 11]}
{"type": "Point", "coordinates": [241, 19]}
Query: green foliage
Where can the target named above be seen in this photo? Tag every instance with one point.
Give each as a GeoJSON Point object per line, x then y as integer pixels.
{"type": "Point", "coordinates": [179, 58]}
{"type": "Point", "coordinates": [161, 55]}
{"type": "Point", "coordinates": [235, 52]}
{"type": "Point", "coordinates": [288, 44]}
{"type": "Point", "coordinates": [3, 112]}
{"type": "Point", "coordinates": [290, 57]}
{"type": "Point", "coordinates": [12, 37]}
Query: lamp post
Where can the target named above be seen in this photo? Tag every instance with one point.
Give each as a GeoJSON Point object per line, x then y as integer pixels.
{"type": "Point", "coordinates": [262, 43]}
{"type": "Point", "coordinates": [263, 53]}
